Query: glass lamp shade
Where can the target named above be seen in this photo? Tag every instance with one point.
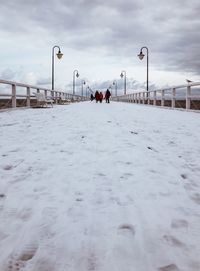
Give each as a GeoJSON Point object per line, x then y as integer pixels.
{"type": "Point", "coordinates": [77, 74]}
{"type": "Point", "coordinates": [121, 75]}
{"type": "Point", "coordinates": [141, 55]}
{"type": "Point", "coordinates": [59, 54]}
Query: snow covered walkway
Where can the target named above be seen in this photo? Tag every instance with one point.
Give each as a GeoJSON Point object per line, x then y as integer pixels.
{"type": "Point", "coordinates": [99, 187]}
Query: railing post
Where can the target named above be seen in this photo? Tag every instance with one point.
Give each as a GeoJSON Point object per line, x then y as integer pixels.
{"type": "Point", "coordinates": [148, 97]}
{"type": "Point", "coordinates": [28, 99]}
{"type": "Point", "coordinates": [38, 90]}
{"type": "Point", "coordinates": [143, 98]}
{"type": "Point", "coordinates": [45, 93]}
{"type": "Point", "coordinates": [173, 97]}
{"type": "Point", "coordinates": [154, 97]}
{"type": "Point", "coordinates": [56, 96]}
{"type": "Point", "coordinates": [162, 98]}
{"type": "Point", "coordinates": [188, 97]}
{"type": "Point", "coordinates": [139, 97]}
{"type": "Point", "coordinates": [14, 96]}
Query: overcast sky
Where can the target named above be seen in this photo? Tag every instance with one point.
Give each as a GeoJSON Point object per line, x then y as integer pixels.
{"type": "Point", "coordinates": [100, 40]}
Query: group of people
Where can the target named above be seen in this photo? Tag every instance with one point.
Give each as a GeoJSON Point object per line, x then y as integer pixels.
{"type": "Point", "coordinates": [99, 96]}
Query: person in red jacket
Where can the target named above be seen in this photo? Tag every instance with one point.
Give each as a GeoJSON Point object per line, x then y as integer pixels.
{"type": "Point", "coordinates": [97, 96]}
{"type": "Point", "coordinates": [100, 97]}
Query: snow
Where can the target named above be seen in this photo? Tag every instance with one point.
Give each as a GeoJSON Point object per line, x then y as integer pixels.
{"type": "Point", "coordinates": [105, 187]}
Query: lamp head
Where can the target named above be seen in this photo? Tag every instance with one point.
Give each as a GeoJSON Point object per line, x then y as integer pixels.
{"type": "Point", "coordinates": [121, 75]}
{"type": "Point", "coordinates": [113, 83]}
{"type": "Point", "coordinates": [141, 55]}
{"type": "Point", "coordinates": [59, 54]}
{"type": "Point", "coordinates": [83, 82]}
{"type": "Point", "coordinates": [77, 74]}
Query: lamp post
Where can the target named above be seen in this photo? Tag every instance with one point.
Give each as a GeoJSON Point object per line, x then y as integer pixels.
{"type": "Point", "coordinates": [123, 74]}
{"type": "Point", "coordinates": [90, 90]}
{"type": "Point", "coordinates": [86, 90]}
{"type": "Point", "coordinates": [83, 83]}
{"type": "Point", "coordinates": [141, 55]}
{"type": "Point", "coordinates": [110, 89]}
{"type": "Point", "coordinates": [59, 56]}
{"type": "Point", "coordinates": [115, 84]}
{"type": "Point", "coordinates": [77, 75]}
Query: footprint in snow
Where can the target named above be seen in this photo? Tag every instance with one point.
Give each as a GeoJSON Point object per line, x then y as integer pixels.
{"type": "Point", "coordinates": [18, 261]}
{"type": "Point", "coordinates": [173, 241]}
{"type": "Point", "coordinates": [179, 223]}
{"type": "Point", "coordinates": [25, 214]}
{"type": "Point", "coordinates": [2, 196]}
{"type": "Point", "coordinates": [196, 198]}
{"type": "Point", "coordinates": [92, 262]}
{"type": "Point", "coordinates": [152, 149]}
{"type": "Point", "coordinates": [8, 167]}
{"type": "Point", "coordinates": [170, 267]}
{"type": "Point", "coordinates": [126, 229]}
{"type": "Point", "coordinates": [183, 176]}
{"type": "Point", "coordinates": [79, 199]}
{"type": "Point", "coordinates": [101, 174]}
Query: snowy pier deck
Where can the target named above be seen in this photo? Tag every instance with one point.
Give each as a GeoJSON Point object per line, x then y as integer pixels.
{"type": "Point", "coordinates": [102, 187]}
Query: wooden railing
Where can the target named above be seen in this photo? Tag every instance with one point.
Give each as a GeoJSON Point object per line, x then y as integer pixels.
{"type": "Point", "coordinates": [12, 92]}
{"type": "Point", "coordinates": [184, 96]}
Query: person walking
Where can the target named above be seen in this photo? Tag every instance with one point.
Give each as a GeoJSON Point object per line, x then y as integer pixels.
{"type": "Point", "coordinates": [107, 96]}
{"type": "Point", "coordinates": [91, 97]}
{"type": "Point", "coordinates": [97, 97]}
{"type": "Point", "coordinates": [100, 97]}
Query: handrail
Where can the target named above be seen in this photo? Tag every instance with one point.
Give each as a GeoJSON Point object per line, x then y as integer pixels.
{"type": "Point", "coordinates": [13, 93]}
{"type": "Point", "coordinates": [166, 97]}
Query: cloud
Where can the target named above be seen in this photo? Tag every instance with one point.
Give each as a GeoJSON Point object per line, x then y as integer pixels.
{"type": "Point", "coordinates": [7, 74]}
{"type": "Point", "coordinates": [43, 81]}
{"type": "Point", "coordinates": [114, 29]}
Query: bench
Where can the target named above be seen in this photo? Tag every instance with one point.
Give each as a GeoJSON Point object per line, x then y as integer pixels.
{"type": "Point", "coordinates": [42, 100]}
{"type": "Point", "coordinates": [62, 100]}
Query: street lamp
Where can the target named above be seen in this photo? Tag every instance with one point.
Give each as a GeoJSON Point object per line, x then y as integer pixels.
{"type": "Point", "coordinates": [115, 84]}
{"type": "Point", "coordinates": [123, 74]}
{"type": "Point", "coordinates": [77, 75]}
{"type": "Point", "coordinates": [83, 83]}
{"type": "Point", "coordinates": [86, 90]}
{"type": "Point", "coordinates": [59, 56]}
{"type": "Point", "coordinates": [141, 55]}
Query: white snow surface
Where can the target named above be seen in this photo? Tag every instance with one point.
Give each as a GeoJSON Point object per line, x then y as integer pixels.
{"type": "Point", "coordinates": [105, 187]}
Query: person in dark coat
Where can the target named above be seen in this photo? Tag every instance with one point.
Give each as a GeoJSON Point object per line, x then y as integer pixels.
{"type": "Point", "coordinates": [97, 96]}
{"type": "Point", "coordinates": [100, 97]}
{"type": "Point", "coordinates": [91, 97]}
{"type": "Point", "coordinates": [107, 96]}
